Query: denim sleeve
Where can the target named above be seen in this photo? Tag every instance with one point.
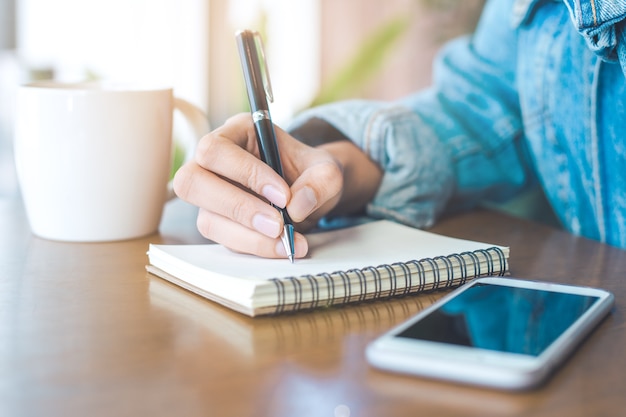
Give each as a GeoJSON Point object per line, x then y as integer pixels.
{"type": "Point", "coordinates": [603, 25]}
{"type": "Point", "coordinates": [447, 147]}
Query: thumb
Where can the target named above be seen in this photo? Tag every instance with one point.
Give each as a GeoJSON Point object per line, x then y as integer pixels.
{"type": "Point", "coordinates": [319, 186]}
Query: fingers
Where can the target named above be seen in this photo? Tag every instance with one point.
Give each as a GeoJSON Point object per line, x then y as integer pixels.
{"type": "Point", "coordinates": [238, 238]}
{"type": "Point", "coordinates": [233, 217]}
{"type": "Point", "coordinates": [212, 193]}
{"type": "Point", "coordinates": [232, 187]}
{"type": "Point", "coordinates": [231, 151]}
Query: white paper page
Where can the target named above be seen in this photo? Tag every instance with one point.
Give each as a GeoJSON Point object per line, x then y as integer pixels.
{"type": "Point", "coordinates": [371, 244]}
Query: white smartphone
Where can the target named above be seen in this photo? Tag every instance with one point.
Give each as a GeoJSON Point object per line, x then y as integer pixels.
{"type": "Point", "coordinates": [498, 332]}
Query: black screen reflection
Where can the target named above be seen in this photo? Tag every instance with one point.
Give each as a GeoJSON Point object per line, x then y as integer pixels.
{"type": "Point", "coordinates": [508, 319]}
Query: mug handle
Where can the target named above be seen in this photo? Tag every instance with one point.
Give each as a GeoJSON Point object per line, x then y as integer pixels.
{"type": "Point", "coordinates": [199, 125]}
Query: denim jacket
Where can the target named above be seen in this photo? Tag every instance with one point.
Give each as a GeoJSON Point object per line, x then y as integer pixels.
{"type": "Point", "coordinates": [536, 96]}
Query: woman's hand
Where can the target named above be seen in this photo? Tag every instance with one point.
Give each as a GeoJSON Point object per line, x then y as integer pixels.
{"type": "Point", "coordinates": [232, 187]}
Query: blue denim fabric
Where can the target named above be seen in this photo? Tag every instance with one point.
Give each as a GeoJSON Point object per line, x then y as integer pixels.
{"type": "Point", "coordinates": [602, 25]}
{"type": "Point", "coordinates": [540, 100]}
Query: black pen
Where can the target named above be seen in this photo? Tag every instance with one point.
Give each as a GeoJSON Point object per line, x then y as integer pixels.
{"type": "Point", "coordinates": [259, 92]}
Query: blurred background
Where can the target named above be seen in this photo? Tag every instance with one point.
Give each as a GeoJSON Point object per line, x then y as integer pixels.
{"type": "Point", "coordinates": [317, 50]}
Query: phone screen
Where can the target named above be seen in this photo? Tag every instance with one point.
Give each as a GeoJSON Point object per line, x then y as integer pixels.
{"type": "Point", "coordinates": [502, 318]}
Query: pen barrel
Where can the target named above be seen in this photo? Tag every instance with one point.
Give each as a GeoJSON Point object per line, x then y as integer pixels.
{"type": "Point", "coordinates": [258, 95]}
{"type": "Point", "coordinates": [266, 140]}
{"type": "Point", "coordinates": [286, 218]}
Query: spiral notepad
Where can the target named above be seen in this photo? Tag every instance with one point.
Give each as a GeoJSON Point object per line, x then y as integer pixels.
{"type": "Point", "coordinates": [366, 262]}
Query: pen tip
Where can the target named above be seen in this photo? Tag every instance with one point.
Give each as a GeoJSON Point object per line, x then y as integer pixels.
{"type": "Point", "coordinates": [288, 241]}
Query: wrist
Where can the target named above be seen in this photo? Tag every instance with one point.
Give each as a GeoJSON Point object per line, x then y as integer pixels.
{"type": "Point", "coordinates": [316, 132]}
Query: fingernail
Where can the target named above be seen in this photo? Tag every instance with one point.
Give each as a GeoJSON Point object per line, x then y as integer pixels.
{"type": "Point", "coordinates": [266, 225]}
{"type": "Point", "coordinates": [302, 203]}
{"type": "Point", "coordinates": [302, 247]}
{"type": "Point", "coordinates": [274, 195]}
{"type": "Point", "coordinates": [281, 252]}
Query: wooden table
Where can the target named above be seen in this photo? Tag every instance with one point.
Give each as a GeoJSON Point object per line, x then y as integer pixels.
{"type": "Point", "coordinates": [85, 331]}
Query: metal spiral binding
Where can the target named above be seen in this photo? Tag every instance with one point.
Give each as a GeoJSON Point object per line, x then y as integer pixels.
{"type": "Point", "coordinates": [414, 274]}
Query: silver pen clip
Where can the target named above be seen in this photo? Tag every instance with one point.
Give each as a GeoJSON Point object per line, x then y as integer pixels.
{"type": "Point", "coordinates": [267, 84]}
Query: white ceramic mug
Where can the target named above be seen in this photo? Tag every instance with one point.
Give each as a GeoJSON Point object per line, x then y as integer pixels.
{"type": "Point", "coordinates": [93, 160]}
